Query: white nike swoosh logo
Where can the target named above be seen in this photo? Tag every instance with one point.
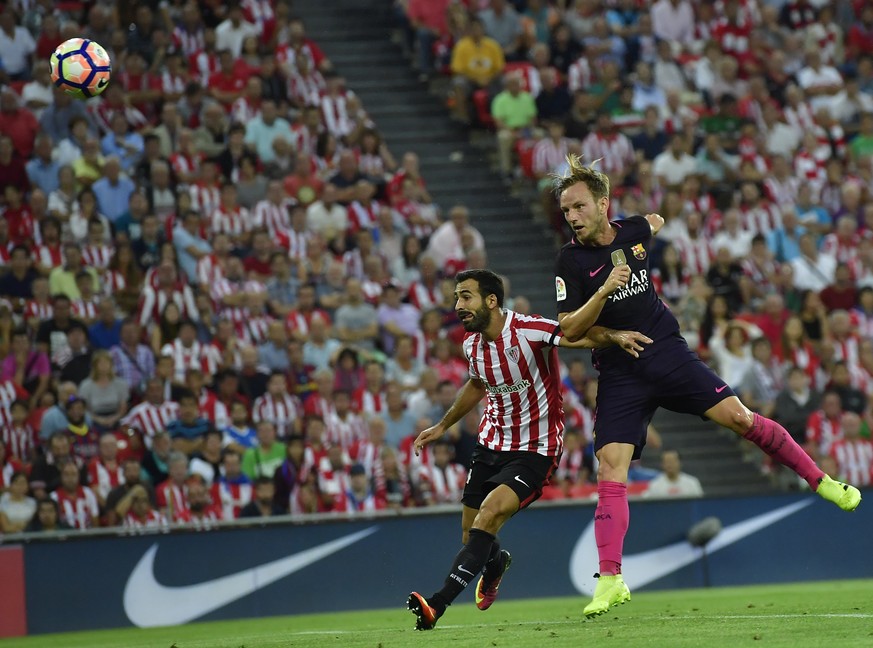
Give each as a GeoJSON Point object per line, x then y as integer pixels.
{"type": "Point", "coordinates": [648, 566]}
{"type": "Point", "coordinates": [519, 479]}
{"type": "Point", "coordinates": [147, 603]}
{"type": "Point", "coordinates": [466, 571]}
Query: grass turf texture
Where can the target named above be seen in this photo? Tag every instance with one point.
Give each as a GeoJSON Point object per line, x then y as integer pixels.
{"type": "Point", "coordinates": [838, 613]}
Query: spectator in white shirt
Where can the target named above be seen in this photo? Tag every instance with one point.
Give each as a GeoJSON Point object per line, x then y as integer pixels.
{"type": "Point", "coordinates": [16, 46]}
{"type": "Point", "coordinates": [646, 92]}
{"type": "Point", "coordinates": [326, 216]}
{"type": "Point", "coordinates": [813, 270]}
{"type": "Point", "coordinates": [673, 21]}
{"type": "Point", "coordinates": [673, 482]}
{"type": "Point", "coordinates": [820, 82]}
{"type": "Point", "coordinates": [732, 236]}
{"type": "Point", "coordinates": [230, 34]}
{"type": "Point", "coordinates": [39, 93]}
{"type": "Point", "coordinates": [675, 164]}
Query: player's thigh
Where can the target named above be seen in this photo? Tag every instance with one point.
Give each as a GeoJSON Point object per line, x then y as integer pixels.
{"type": "Point", "coordinates": [732, 414]}
{"type": "Point", "coordinates": [479, 483]}
{"type": "Point", "coordinates": [692, 388]}
{"type": "Point", "coordinates": [623, 411]}
{"type": "Point", "coordinates": [524, 474]}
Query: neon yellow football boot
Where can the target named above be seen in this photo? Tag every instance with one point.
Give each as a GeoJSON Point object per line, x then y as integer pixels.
{"type": "Point", "coordinates": [846, 496]}
{"type": "Point", "coordinates": [610, 591]}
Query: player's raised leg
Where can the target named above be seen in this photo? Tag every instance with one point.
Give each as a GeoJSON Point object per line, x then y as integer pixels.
{"type": "Point", "coordinates": [775, 441]}
{"type": "Point", "coordinates": [500, 505]}
{"type": "Point", "coordinates": [611, 520]}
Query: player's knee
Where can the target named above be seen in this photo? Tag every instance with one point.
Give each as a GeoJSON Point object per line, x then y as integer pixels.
{"type": "Point", "coordinates": [609, 472]}
{"type": "Point", "coordinates": [740, 419]}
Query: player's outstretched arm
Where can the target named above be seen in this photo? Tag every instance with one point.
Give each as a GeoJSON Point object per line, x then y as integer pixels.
{"type": "Point", "coordinates": [599, 337]}
{"type": "Point", "coordinates": [575, 325]}
{"type": "Point", "coordinates": [656, 222]}
{"type": "Point", "coordinates": [470, 394]}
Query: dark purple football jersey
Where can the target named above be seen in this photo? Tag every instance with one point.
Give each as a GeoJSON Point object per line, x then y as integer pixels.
{"type": "Point", "coordinates": [582, 269]}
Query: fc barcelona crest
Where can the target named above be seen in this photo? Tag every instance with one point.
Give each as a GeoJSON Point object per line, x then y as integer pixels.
{"type": "Point", "coordinates": [639, 251]}
{"type": "Point", "coordinates": [512, 353]}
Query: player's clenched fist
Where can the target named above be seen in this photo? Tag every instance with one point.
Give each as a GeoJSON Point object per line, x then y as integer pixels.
{"type": "Point", "coordinates": [618, 278]}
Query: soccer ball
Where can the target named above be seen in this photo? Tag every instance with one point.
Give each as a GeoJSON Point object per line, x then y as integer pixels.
{"type": "Point", "coordinates": [81, 68]}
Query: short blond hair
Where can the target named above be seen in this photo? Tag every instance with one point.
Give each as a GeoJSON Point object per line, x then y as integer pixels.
{"type": "Point", "coordinates": [596, 181]}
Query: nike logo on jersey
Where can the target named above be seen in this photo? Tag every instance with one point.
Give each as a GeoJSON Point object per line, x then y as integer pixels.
{"type": "Point", "coordinates": [593, 273]}
{"type": "Point", "coordinates": [646, 567]}
{"type": "Point", "coordinates": [149, 603]}
{"type": "Point", "coordinates": [521, 481]}
{"type": "Point", "coordinates": [719, 390]}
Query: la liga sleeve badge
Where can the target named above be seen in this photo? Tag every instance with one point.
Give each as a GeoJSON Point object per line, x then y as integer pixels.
{"type": "Point", "coordinates": [560, 289]}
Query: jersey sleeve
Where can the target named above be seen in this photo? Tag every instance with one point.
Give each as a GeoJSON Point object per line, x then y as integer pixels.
{"type": "Point", "coordinates": [540, 331]}
{"type": "Point", "coordinates": [568, 287]}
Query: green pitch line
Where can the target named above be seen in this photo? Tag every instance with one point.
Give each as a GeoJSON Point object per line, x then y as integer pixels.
{"type": "Point", "coordinates": [837, 613]}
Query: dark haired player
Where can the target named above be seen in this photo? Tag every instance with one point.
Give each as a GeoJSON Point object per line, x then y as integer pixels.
{"type": "Point", "coordinates": [514, 364]}
{"type": "Point", "coordinates": [668, 375]}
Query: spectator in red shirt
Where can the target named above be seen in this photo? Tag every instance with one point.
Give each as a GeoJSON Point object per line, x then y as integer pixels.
{"type": "Point", "coordinates": [428, 19]}
{"type": "Point", "coordinates": [859, 40]}
{"type": "Point", "coordinates": [226, 85]}
{"type": "Point", "coordinates": [18, 123]}
{"type": "Point", "coordinates": [842, 294]}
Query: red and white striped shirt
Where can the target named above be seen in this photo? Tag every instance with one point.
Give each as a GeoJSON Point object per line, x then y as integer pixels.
{"type": "Point", "coordinates": [424, 298]}
{"type": "Point", "coordinates": [548, 155]}
{"type": "Point", "coordinates": [173, 499]}
{"type": "Point", "coordinates": [335, 116]}
{"type": "Point", "coordinates": [696, 254]}
{"type": "Point", "coordinates": [204, 64]}
{"type": "Point", "coordinates": [848, 350]}
{"type": "Point", "coordinates": [444, 485]}
{"type": "Point", "coordinates": [844, 251]}
{"type": "Point", "coordinates": [188, 41]}
{"type": "Point", "coordinates": [185, 164]}
{"type": "Point", "coordinates": [84, 309]}
{"type": "Point", "coordinates": [523, 385]}
{"type": "Point", "coordinates": [782, 192]}
{"type": "Point", "coordinates": [204, 357]}
{"type": "Point", "coordinates": [101, 479]}
{"type": "Point", "coordinates": [225, 287]}
{"type": "Point", "coordinates": [151, 520]}
{"type": "Point", "coordinates": [231, 496]}
{"type": "Point", "coordinates": [21, 441]}
{"type": "Point", "coordinates": [579, 75]}
{"type": "Point", "coordinates": [253, 329]}
{"type": "Point", "coordinates": [234, 223]}
{"type": "Point", "coordinates": [80, 509]}
{"type": "Point", "coordinates": [97, 256]}
{"type": "Point", "coordinates": [50, 256]}
{"type": "Point", "coordinates": [801, 117]}
{"type": "Point", "coordinates": [615, 152]}
{"type": "Point", "coordinates": [281, 412]}
{"type": "Point", "coordinates": [150, 419]}
{"type": "Point", "coordinates": [823, 431]}
{"type": "Point", "coordinates": [113, 282]}
{"type": "Point", "coordinates": [363, 216]}
{"type": "Point", "coordinates": [762, 218]}
{"type": "Point", "coordinates": [244, 110]}
{"type": "Point", "coordinates": [367, 403]}
{"type": "Point", "coordinates": [272, 217]}
{"type": "Point", "coordinates": [306, 90]}
{"type": "Point", "coordinates": [154, 300]}
{"type": "Point", "coordinates": [173, 84]}
{"type": "Point", "coordinates": [297, 321]}
{"type": "Point", "coordinates": [209, 270]}
{"type": "Point", "coordinates": [303, 139]}
{"type": "Point", "coordinates": [855, 460]}
{"type": "Point", "coordinates": [205, 198]}
{"type": "Point", "coordinates": [33, 308]}
{"type": "Point", "coordinates": [345, 432]}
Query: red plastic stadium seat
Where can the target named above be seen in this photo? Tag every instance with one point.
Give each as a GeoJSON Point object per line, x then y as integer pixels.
{"type": "Point", "coordinates": [483, 108]}
{"type": "Point", "coordinates": [637, 488]}
{"type": "Point", "coordinates": [552, 493]}
{"type": "Point", "coordinates": [523, 70]}
{"type": "Point", "coordinates": [524, 148]}
{"type": "Point", "coordinates": [584, 491]}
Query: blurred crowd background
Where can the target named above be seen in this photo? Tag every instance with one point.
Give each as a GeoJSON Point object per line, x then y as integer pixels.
{"type": "Point", "coordinates": [223, 294]}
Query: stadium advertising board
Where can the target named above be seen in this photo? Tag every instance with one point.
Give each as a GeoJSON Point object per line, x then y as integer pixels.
{"type": "Point", "coordinates": [166, 579]}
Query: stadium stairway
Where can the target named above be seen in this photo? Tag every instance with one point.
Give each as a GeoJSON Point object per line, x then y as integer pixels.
{"type": "Point", "coordinates": [356, 36]}
{"type": "Point", "coordinates": [710, 453]}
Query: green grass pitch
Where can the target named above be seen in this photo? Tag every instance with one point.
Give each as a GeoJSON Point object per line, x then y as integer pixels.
{"type": "Point", "coordinates": [838, 613]}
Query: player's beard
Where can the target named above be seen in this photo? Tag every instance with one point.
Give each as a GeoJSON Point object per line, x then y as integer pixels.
{"type": "Point", "coordinates": [479, 322]}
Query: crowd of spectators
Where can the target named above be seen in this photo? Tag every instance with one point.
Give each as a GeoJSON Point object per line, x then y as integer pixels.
{"type": "Point", "coordinates": [748, 125]}
{"type": "Point", "coordinates": [221, 295]}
